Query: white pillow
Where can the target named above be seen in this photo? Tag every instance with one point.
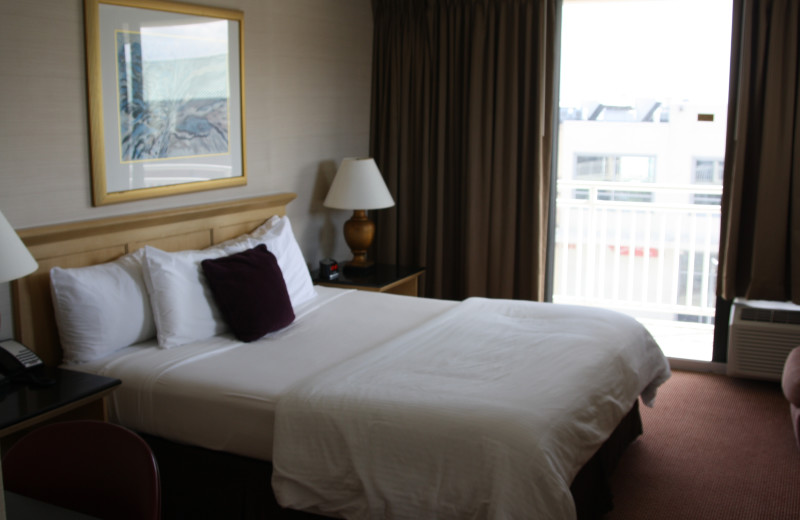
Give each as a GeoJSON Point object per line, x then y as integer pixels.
{"type": "Point", "coordinates": [182, 303]}
{"type": "Point", "coordinates": [101, 308]}
{"type": "Point", "coordinates": [276, 233]}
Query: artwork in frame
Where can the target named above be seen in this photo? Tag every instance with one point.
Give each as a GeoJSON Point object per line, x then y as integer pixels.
{"type": "Point", "coordinates": [166, 98]}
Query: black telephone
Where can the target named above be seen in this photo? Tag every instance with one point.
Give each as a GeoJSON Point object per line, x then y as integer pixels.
{"type": "Point", "coordinates": [16, 359]}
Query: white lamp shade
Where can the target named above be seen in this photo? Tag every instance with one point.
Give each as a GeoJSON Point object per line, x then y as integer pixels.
{"type": "Point", "coordinates": [358, 185]}
{"type": "Point", "coordinates": [15, 259]}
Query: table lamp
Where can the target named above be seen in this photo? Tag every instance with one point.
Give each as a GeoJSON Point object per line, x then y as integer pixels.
{"type": "Point", "coordinates": [358, 185]}
{"type": "Point", "coordinates": [15, 259]}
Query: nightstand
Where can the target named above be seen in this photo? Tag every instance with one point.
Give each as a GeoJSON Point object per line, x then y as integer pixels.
{"type": "Point", "coordinates": [73, 395]}
{"type": "Point", "coordinates": [386, 278]}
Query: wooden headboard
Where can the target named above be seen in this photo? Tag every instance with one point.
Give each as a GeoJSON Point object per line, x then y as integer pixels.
{"type": "Point", "coordinates": [92, 242]}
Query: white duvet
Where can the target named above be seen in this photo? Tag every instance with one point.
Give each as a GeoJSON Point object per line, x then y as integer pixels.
{"type": "Point", "coordinates": [486, 411]}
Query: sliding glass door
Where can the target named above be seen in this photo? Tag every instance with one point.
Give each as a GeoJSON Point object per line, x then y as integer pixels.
{"type": "Point", "coordinates": [643, 102]}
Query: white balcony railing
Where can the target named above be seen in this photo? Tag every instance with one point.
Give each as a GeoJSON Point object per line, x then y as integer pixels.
{"type": "Point", "coordinates": [646, 248]}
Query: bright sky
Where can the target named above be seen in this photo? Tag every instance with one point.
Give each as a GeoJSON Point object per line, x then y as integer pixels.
{"type": "Point", "coordinates": [616, 51]}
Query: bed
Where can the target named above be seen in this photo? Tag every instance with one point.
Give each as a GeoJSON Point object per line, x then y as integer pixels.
{"type": "Point", "coordinates": [362, 405]}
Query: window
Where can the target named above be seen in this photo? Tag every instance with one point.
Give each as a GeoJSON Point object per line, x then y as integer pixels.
{"type": "Point", "coordinates": [707, 171]}
{"type": "Point", "coordinates": [633, 161]}
{"type": "Point", "coordinates": [615, 168]}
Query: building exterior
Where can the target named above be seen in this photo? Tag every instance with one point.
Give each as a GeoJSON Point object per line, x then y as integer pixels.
{"type": "Point", "coordinates": [638, 217]}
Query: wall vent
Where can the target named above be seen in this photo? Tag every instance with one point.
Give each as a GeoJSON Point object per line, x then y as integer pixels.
{"type": "Point", "coordinates": [760, 337]}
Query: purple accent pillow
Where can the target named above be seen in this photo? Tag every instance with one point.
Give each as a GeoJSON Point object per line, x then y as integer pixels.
{"type": "Point", "coordinates": [250, 292]}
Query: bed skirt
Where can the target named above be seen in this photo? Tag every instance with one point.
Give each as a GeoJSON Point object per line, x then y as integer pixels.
{"type": "Point", "coordinates": [198, 483]}
{"type": "Point", "coordinates": [591, 488]}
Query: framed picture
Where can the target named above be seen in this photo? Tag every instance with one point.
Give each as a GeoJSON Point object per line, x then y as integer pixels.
{"type": "Point", "coordinates": [166, 98]}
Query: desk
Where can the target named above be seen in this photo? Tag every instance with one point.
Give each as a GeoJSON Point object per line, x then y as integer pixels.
{"type": "Point", "coordinates": [73, 395]}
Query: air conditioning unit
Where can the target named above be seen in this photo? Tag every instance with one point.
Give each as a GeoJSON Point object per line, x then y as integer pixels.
{"type": "Point", "coordinates": [760, 337]}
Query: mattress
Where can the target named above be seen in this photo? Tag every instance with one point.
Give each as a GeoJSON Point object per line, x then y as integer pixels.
{"type": "Point", "coordinates": [221, 393]}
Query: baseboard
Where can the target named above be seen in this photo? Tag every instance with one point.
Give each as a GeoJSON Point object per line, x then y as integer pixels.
{"type": "Point", "coordinates": [693, 365]}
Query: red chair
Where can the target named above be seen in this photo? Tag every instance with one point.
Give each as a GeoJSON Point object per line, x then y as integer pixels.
{"type": "Point", "coordinates": [92, 467]}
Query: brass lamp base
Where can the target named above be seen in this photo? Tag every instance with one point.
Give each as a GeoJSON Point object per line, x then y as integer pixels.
{"type": "Point", "coordinates": [358, 233]}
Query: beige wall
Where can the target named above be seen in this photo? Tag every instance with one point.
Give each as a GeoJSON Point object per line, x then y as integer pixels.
{"type": "Point", "coordinates": [307, 84]}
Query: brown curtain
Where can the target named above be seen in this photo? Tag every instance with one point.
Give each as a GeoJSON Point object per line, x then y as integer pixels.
{"type": "Point", "coordinates": [462, 118]}
{"type": "Point", "coordinates": [760, 235]}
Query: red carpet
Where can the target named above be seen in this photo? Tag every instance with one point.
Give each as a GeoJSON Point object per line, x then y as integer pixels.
{"type": "Point", "coordinates": [713, 448]}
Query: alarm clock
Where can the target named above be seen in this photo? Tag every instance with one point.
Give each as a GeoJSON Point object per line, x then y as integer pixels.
{"type": "Point", "coordinates": [328, 269]}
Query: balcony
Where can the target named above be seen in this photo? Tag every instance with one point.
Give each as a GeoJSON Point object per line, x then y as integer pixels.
{"type": "Point", "coordinates": [646, 249]}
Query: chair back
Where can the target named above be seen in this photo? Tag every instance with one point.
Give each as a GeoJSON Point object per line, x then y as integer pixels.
{"type": "Point", "coordinates": [92, 467]}
{"type": "Point", "coordinates": [790, 382]}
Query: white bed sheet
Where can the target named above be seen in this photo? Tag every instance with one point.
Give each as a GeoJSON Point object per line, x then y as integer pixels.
{"type": "Point", "coordinates": [221, 394]}
{"type": "Point", "coordinates": [487, 411]}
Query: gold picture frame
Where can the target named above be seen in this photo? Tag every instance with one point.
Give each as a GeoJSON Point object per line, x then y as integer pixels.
{"type": "Point", "coordinates": [166, 98]}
